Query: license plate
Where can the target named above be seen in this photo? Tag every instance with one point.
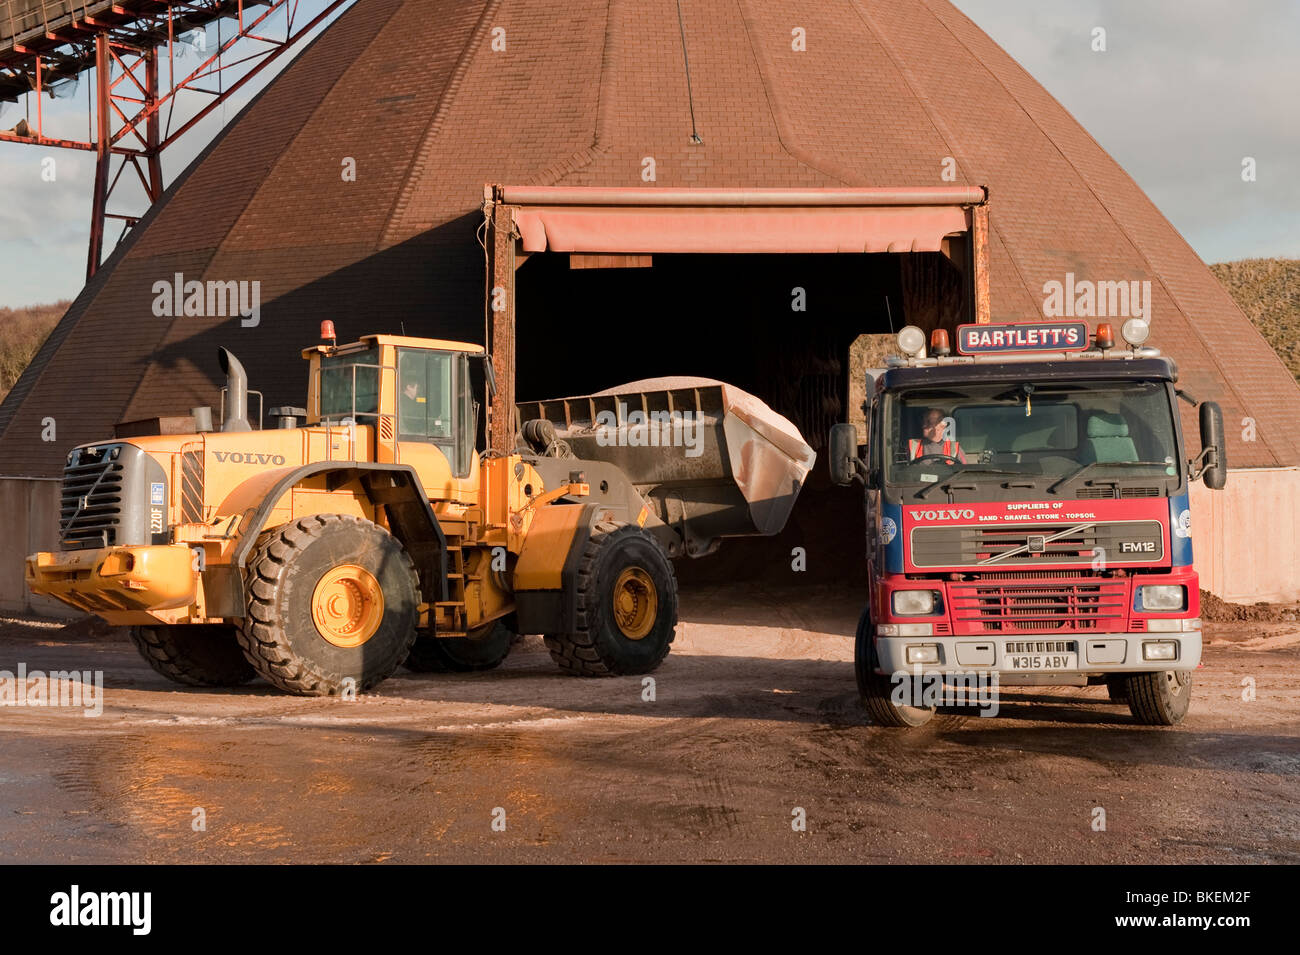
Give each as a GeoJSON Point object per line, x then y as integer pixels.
{"type": "Point", "coordinates": [1041, 661]}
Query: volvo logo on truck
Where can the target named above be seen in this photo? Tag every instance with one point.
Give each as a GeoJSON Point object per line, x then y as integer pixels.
{"type": "Point", "coordinates": [964, 514]}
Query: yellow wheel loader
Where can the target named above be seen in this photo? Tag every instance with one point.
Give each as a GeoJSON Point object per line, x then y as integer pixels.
{"type": "Point", "coordinates": [365, 531]}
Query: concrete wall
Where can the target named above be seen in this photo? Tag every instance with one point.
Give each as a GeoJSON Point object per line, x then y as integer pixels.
{"type": "Point", "coordinates": [1246, 538]}
{"type": "Point", "coordinates": [29, 521]}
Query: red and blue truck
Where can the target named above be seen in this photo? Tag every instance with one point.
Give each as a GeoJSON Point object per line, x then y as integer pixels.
{"type": "Point", "coordinates": [1028, 519]}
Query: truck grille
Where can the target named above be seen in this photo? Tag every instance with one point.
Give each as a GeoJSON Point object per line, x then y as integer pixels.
{"type": "Point", "coordinates": [1070, 606]}
{"type": "Point", "coordinates": [90, 506]}
{"type": "Point", "coordinates": [1117, 542]}
{"type": "Point", "coordinates": [1103, 493]}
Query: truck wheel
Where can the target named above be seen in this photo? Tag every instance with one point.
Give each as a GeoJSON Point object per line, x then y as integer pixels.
{"type": "Point", "coordinates": [333, 603]}
{"type": "Point", "coordinates": [1159, 699]}
{"type": "Point", "coordinates": [197, 654]}
{"type": "Point", "coordinates": [877, 690]}
{"type": "Point", "coordinates": [483, 649]}
{"type": "Point", "coordinates": [625, 608]}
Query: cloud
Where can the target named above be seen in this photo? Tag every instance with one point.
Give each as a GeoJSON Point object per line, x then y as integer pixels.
{"type": "Point", "coordinates": [1185, 90]}
{"type": "Point", "coordinates": [45, 225]}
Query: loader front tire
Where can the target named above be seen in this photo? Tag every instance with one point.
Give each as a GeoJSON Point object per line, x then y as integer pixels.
{"type": "Point", "coordinates": [333, 601]}
{"type": "Point", "coordinates": [483, 649]}
{"type": "Point", "coordinates": [625, 606]}
{"type": "Point", "coordinates": [196, 654]}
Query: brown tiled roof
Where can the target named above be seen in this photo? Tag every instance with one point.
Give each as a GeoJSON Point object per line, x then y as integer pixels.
{"type": "Point", "coordinates": [413, 92]}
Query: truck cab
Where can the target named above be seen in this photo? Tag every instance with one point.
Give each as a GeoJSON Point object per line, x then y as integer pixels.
{"type": "Point", "coordinates": [1027, 519]}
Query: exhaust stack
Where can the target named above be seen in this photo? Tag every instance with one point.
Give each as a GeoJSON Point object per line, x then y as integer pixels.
{"type": "Point", "coordinates": [236, 417]}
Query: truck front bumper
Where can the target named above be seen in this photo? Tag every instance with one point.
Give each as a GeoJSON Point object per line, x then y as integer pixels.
{"type": "Point", "coordinates": [111, 580]}
{"type": "Point", "coordinates": [1062, 654]}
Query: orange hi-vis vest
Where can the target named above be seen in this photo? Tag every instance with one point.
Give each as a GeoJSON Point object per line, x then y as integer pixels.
{"type": "Point", "coordinates": [914, 447]}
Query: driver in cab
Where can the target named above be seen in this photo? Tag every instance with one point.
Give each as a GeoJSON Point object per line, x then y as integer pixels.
{"type": "Point", "coordinates": [933, 440]}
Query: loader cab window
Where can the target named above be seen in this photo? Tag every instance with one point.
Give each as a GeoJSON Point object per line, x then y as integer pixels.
{"type": "Point", "coordinates": [426, 410]}
{"type": "Point", "coordinates": [349, 386]}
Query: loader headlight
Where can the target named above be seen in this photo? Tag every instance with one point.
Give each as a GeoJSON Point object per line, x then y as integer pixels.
{"type": "Point", "coordinates": [1163, 598]}
{"type": "Point", "coordinates": [914, 603]}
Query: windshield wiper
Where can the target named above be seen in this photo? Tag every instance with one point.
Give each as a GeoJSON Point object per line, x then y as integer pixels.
{"type": "Point", "coordinates": [1110, 464]}
{"type": "Point", "coordinates": [962, 470]}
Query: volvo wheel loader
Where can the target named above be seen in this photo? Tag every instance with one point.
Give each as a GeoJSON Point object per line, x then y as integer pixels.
{"type": "Point", "coordinates": [365, 531]}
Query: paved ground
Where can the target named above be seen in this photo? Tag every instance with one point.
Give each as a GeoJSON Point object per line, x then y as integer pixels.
{"type": "Point", "coordinates": [754, 717]}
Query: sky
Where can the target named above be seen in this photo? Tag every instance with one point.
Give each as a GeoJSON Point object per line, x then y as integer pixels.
{"type": "Point", "coordinates": [45, 225]}
{"type": "Point", "coordinates": [1184, 91]}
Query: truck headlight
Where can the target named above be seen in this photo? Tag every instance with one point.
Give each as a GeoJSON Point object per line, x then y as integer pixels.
{"type": "Point", "coordinates": [913, 603]}
{"type": "Point", "coordinates": [923, 653]}
{"type": "Point", "coordinates": [1163, 598]}
{"type": "Point", "coordinates": [1165, 650]}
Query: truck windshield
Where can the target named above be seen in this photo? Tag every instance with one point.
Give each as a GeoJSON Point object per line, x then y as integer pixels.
{"type": "Point", "coordinates": [1070, 439]}
{"type": "Point", "coordinates": [349, 386]}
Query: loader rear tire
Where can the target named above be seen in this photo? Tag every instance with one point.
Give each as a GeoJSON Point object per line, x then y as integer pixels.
{"type": "Point", "coordinates": [197, 654]}
{"type": "Point", "coordinates": [332, 605]}
{"type": "Point", "coordinates": [625, 606]}
{"type": "Point", "coordinates": [484, 649]}
{"type": "Point", "coordinates": [1159, 699]}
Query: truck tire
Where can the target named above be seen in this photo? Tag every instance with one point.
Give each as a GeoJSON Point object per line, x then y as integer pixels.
{"type": "Point", "coordinates": [196, 654]}
{"type": "Point", "coordinates": [483, 649]}
{"type": "Point", "coordinates": [625, 607]}
{"type": "Point", "coordinates": [1161, 698]}
{"type": "Point", "coordinates": [877, 690]}
{"type": "Point", "coordinates": [332, 606]}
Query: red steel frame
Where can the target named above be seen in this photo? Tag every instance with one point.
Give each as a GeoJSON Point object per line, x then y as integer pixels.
{"type": "Point", "coordinates": [128, 103]}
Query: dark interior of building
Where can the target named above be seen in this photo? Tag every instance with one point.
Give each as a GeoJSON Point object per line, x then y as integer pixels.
{"type": "Point", "coordinates": [777, 326]}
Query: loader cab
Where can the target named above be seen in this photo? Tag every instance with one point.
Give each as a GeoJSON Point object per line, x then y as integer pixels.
{"type": "Point", "coordinates": [415, 397]}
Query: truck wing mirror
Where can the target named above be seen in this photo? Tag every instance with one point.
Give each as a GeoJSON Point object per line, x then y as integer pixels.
{"type": "Point", "coordinates": [843, 460]}
{"type": "Point", "coordinates": [1213, 459]}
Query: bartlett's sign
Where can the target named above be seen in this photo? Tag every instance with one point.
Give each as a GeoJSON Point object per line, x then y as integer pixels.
{"type": "Point", "coordinates": [1022, 336]}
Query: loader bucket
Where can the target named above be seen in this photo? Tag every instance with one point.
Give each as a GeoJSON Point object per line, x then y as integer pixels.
{"type": "Point", "coordinates": [713, 460]}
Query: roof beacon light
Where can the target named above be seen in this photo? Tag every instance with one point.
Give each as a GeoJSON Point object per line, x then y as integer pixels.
{"type": "Point", "coordinates": [1135, 331]}
{"type": "Point", "coordinates": [912, 341]}
{"type": "Point", "coordinates": [939, 342]}
{"type": "Point", "coordinates": [327, 332]}
{"type": "Point", "coordinates": [1105, 336]}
